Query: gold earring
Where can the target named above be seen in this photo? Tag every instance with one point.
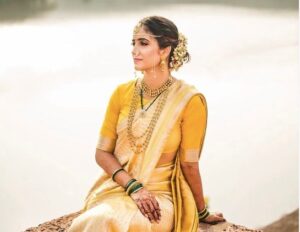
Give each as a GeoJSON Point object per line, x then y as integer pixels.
{"type": "Point", "coordinates": [162, 65]}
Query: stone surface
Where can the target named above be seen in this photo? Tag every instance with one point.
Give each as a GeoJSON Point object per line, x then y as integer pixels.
{"type": "Point", "coordinates": [287, 223]}
{"type": "Point", "coordinates": [62, 223]}
{"type": "Point", "coordinates": [225, 227]}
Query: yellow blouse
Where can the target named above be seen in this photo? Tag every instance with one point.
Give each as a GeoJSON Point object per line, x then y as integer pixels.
{"type": "Point", "coordinates": [187, 134]}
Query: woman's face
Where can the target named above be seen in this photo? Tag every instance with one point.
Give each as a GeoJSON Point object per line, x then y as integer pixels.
{"type": "Point", "coordinates": [145, 51]}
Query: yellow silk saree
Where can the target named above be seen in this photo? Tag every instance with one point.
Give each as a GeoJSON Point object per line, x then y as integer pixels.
{"type": "Point", "coordinates": [107, 207]}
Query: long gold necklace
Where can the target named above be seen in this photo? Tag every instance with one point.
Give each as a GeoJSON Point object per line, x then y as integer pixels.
{"type": "Point", "coordinates": [136, 144]}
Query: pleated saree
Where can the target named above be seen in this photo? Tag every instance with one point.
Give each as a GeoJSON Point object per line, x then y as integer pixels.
{"type": "Point", "coordinates": [107, 208]}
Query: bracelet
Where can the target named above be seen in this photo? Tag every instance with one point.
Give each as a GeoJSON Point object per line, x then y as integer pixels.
{"type": "Point", "coordinates": [203, 210]}
{"type": "Point", "coordinates": [203, 214]}
{"type": "Point", "coordinates": [138, 189]}
{"type": "Point", "coordinates": [115, 172]}
{"type": "Point", "coordinates": [135, 188]}
{"type": "Point", "coordinates": [132, 186]}
{"type": "Point", "coordinates": [129, 183]}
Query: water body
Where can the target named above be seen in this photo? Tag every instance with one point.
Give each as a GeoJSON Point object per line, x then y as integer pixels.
{"type": "Point", "coordinates": [59, 67]}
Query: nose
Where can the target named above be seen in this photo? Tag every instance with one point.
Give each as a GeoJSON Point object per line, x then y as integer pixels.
{"type": "Point", "coordinates": [134, 51]}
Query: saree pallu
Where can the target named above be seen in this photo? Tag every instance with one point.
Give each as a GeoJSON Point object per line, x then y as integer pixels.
{"type": "Point", "coordinates": [107, 208]}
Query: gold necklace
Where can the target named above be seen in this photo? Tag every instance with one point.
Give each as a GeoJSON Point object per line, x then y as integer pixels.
{"type": "Point", "coordinates": [157, 91]}
{"type": "Point", "coordinates": [136, 144]}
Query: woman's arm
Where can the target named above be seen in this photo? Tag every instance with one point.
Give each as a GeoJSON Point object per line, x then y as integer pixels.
{"type": "Point", "coordinates": [192, 175]}
{"type": "Point", "coordinates": [109, 163]}
{"type": "Point", "coordinates": [193, 133]}
{"type": "Point", "coordinates": [147, 203]}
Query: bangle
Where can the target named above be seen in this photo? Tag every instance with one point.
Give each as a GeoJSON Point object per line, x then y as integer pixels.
{"type": "Point", "coordinates": [130, 187]}
{"type": "Point", "coordinates": [115, 173]}
{"type": "Point", "coordinates": [203, 210]}
{"type": "Point", "coordinates": [135, 188]}
{"type": "Point", "coordinates": [129, 183]}
{"type": "Point", "coordinates": [203, 214]}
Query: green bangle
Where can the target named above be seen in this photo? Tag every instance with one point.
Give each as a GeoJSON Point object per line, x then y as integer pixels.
{"type": "Point", "coordinates": [115, 173]}
{"type": "Point", "coordinates": [203, 214]}
{"type": "Point", "coordinates": [129, 183]}
{"type": "Point", "coordinates": [135, 188]}
{"type": "Point", "coordinates": [202, 211]}
{"type": "Point", "coordinates": [132, 186]}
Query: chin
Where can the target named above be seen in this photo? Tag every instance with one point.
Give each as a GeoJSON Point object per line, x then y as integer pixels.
{"type": "Point", "coordinates": [138, 68]}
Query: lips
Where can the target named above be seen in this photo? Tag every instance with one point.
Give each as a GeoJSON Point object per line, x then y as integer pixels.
{"type": "Point", "coordinates": [137, 59]}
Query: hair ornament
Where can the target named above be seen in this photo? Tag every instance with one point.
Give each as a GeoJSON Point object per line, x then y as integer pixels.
{"type": "Point", "coordinates": [180, 53]}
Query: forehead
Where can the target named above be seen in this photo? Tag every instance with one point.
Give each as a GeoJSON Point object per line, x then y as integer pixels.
{"type": "Point", "coordinates": [140, 33]}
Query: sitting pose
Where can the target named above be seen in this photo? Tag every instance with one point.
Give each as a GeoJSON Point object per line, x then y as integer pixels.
{"type": "Point", "coordinates": [150, 143]}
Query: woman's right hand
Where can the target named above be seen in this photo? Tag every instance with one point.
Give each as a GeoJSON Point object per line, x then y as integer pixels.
{"type": "Point", "coordinates": [147, 204]}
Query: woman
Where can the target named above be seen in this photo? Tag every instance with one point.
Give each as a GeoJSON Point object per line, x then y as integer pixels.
{"type": "Point", "coordinates": [150, 143]}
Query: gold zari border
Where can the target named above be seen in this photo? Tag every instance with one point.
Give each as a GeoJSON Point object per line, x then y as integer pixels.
{"type": "Point", "coordinates": [106, 144]}
{"type": "Point", "coordinates": [189, 155]}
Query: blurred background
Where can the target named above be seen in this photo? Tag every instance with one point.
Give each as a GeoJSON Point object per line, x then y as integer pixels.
{"type": "Point", "coordinates": [61, 60]}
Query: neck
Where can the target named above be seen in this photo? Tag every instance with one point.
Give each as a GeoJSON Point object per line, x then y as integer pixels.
{"type": "Point", "coordinates": [155, 78]}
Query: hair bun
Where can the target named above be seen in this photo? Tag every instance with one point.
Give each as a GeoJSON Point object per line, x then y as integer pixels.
{"type": "Point", "coordinates": [180, 54]}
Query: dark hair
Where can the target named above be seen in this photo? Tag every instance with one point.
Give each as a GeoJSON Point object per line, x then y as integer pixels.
{"type": "Point", "coordinates": [167, 32]}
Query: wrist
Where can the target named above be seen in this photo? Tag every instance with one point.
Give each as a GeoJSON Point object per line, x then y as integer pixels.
{"type": "Point", "coordinates": [122, 178]}
{"type": "Point", "coordinates": [204, 213]}
{"type": "Point", "coordinates": [133, 186]}
{"type": "Point", "coordinates": [201, 204]}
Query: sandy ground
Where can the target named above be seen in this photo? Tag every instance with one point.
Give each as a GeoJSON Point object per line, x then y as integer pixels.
{"type": "Point", "coordinates": [55, 83]}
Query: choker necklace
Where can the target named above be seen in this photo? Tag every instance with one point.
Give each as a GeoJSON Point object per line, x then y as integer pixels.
{"type": "Point", "coordinates": [157, 91]}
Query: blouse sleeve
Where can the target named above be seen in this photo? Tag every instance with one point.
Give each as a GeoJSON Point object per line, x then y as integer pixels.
{"type": "Point", "coordinates": [107, 133]}
{"type": "Point", "coordinates": [193, 129]}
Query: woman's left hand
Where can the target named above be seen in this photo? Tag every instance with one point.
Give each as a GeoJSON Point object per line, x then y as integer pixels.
{"type": "Point", "coordinates": [214, 218]}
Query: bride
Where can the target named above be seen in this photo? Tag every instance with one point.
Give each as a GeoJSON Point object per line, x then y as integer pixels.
{"type": "Point", "coordinates": [150, 143]}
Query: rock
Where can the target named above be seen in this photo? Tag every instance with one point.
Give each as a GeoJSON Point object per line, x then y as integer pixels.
{"type": "Point", "coordinates": [62, 223]}
{"type": "Point", "coordinates": [225, 227]}
{"type": "Point", "coordinates": [289, 223]}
